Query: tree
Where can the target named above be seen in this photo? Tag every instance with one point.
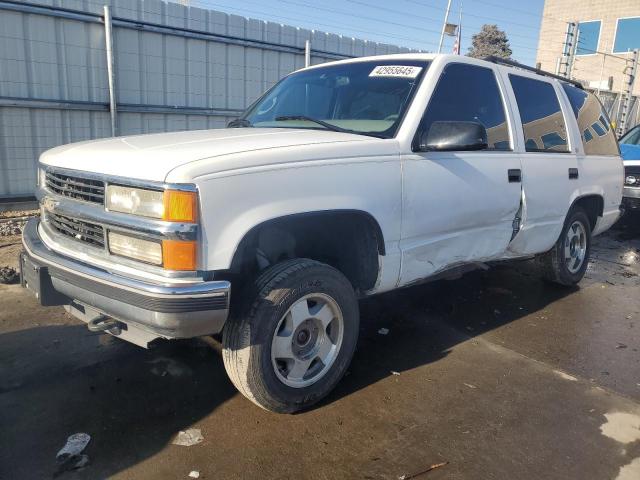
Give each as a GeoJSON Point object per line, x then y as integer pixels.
{"type": "Point", "coordinates": [490, 41]}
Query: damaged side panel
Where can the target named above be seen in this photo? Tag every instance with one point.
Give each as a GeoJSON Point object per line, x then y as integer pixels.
{"type": "Point", "coordinates": [451, 250]}
{"type": "Point", "coordinates": [458, 208]}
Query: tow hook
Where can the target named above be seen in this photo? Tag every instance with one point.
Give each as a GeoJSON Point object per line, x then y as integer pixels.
{"type": "Point", "coordinates": [102, 323]}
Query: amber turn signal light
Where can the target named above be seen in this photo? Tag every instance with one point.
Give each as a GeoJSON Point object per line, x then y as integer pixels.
{"type": "Point", "coordinates": [178, 255]}
{"type": "Point", "coordinates": [180, 206]}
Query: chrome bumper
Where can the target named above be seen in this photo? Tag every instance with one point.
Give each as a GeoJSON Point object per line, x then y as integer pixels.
{"type": "Point", "coordinates": [631, 198]}
{"type": "Point", "coordinates": [631, 192]}
{"type": "Point", "coordinates": [165, 310]}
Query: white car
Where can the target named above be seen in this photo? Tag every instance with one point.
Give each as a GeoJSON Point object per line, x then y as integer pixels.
{"type": "Point", "coordinates": [344, 180]}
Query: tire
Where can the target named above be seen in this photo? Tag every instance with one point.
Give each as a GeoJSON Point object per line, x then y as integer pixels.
{"type": "Point", "coordinates": [566, 263]}
{"type": "Point", "coordinates": [301, 315]}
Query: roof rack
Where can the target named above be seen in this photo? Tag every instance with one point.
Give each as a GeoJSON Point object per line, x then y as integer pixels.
{"type": "Point", "coordinates": [513, 63]}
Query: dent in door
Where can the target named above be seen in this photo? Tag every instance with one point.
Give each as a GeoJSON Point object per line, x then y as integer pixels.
{"type": "Point", "coordinates": [458, 208]}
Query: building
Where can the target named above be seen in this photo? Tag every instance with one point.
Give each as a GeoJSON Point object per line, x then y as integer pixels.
{"type": "Point", "coordinates": [608, 32]}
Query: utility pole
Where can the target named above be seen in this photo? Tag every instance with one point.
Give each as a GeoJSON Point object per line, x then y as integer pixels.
{"type": "Point", "coordinates": [460, 29]}
{"type": "Point", "coordinates": [108, 38]}
{"type": "Point", "coordinates": [307, 53]}
{"type": "Point", "coordinates": [564, 68]}
{"type": "Point", "coordinates": [444, 25]}
{"type": "Point", "coordinates": [630, 71]}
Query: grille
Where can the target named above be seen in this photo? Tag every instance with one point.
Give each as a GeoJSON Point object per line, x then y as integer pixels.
{"type": "Point", "coordinates": [631, 203]}
{"type": "Point", "coordinates": [79, 230]}
{"type": "Point", "coordinates": [76, 187]}
{"type": "Point", "coordinates": [632, 170]}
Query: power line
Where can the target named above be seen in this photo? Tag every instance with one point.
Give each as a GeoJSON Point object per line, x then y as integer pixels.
{"type": "Point", "coordinates": [508, 22]}
{"type": "Point", "coordinates": [524, 12]}
{"type": "Point", "coordinates": [254, 12]}
{"type": "Point", "coordinates": [350, 14]}
{"type": "Point", "coordinates": [597, 52]}
{"type": "Point", "coordinates": [467, 37]}
{"type": "Point", "coordinates": [422, 17]}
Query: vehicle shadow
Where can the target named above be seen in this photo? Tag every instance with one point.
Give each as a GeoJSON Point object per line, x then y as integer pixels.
{"type": "Point", "coordinates": [425, 322]}
{"type": "Point", "coordinates": [628, 227]}
{"type": "Point", "coordinates": [59, 380]}
{"type": "Point", "coordinates": [419, 319]}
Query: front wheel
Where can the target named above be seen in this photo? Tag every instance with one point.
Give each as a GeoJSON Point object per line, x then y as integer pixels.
{"type": "Point", "coordinates": [296, 339]}
{"type": "Point", "coordinates": [566, 263]}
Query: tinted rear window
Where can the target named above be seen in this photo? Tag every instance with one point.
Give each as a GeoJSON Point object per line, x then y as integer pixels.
{"type": "Point", "coordinates": [542, 120]}
{"type": "Point", "coordinates": [597, 135]}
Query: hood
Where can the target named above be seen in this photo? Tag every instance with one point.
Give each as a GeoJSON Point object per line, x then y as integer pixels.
{"type": "Point", "coordinates": [629, 152]}
{"type": "Point", "coordinates": [153, 156]}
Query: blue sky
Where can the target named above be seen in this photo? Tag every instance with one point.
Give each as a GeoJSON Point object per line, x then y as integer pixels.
{"type": "Point", "coordinates": [410, 23]}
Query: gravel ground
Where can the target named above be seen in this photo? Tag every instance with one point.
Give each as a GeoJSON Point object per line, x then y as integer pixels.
{"type": "Point", "coordinates": [18, 213]}
{"type": "Point", "coordinates": [11, 225]}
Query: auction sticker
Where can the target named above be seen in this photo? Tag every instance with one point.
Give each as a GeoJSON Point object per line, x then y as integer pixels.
{"type": "Point", "coordinates": [404, 71]}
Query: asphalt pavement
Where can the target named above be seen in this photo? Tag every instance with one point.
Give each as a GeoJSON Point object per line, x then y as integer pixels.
{"type": "Point", "coordinates": [497, 375]}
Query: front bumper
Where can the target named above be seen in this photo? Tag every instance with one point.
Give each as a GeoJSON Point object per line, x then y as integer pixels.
{"type": "Point", "coordinates": [631, 198]}
{"type": "Point", "coordinates": [151, 310]}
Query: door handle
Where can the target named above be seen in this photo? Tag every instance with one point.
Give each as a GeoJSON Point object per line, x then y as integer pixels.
{"type": "Point", "coordinates": [515, 175]}
{"type": "Point", "coordinates": [573, 174]}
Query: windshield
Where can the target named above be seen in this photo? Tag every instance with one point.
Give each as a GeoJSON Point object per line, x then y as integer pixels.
{"type": "Point", "coordinates": [367, 98]}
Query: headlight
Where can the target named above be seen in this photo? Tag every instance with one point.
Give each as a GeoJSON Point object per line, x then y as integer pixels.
{"type": "Point", "coordinates": [146, 203]}
{"type": "Point", "coordinates": [632, 180]}
{"type": "Point", "coordinates": [136, 248]}
{"type": "Point", "coordinates": [171, 205]}
{"type": "Point", "coordinates": [170, 254]}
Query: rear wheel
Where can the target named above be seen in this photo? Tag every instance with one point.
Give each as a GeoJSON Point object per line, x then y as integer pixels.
{"type": "Point", "coordinates": [566, 263]}
{"type": "Point", "coordinates": [296, 339]}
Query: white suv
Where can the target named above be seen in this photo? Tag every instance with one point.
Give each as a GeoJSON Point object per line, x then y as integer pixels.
{"type": "Point", "coordinates": [344, 180]}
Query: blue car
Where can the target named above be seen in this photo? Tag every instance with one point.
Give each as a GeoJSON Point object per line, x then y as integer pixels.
{"type": "Point", "coordinates": [630, 151]}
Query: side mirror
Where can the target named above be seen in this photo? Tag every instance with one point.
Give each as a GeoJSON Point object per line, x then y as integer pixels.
{"type": "Point", "coordinates": [238, 123]}
{"type": "Point", "coordinates": [448, 136]}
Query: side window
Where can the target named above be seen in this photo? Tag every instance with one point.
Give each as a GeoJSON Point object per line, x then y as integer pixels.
{"type": "Point", "coordinates": [542, 120]}
{"type": "Point", "coordinates": [469, 93]}
{"type": "Point", "coordinates": [589, 113]}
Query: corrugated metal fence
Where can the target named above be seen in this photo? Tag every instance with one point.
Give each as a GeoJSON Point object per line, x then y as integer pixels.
{"type": "Point", "coordinates": [175, 68]}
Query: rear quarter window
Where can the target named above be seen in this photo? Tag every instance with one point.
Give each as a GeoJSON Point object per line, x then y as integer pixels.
{"type": "Point", "coordinates": [591, 117]}
{"type": "Point", "coordinates": [542, 120]}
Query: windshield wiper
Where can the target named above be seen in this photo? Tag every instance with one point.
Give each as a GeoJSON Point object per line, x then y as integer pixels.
{"type": "Point", "coordinates": [239, 122]}
{"type": "Point", "coordinates": [326, 125]}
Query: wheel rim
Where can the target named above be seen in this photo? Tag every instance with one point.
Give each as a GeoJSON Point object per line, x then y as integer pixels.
{"type": "Point", "coordinates": [307, 340]}
{"type": "Point", "coordinates": [575, 246]}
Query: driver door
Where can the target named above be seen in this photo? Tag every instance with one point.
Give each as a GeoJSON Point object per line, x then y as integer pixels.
{"type": "Point", "coordinates": [459, 206]}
